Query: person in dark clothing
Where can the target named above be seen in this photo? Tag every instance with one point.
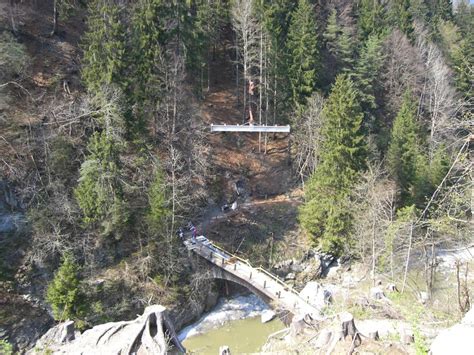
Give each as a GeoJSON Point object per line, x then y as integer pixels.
{"type": "Point", "coordinates": [181, 233]}
{"type": "Point", "coordinates": [193, 230]}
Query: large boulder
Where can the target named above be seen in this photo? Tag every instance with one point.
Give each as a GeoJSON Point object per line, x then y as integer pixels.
{"type": "Point", "coordinates": [267, 315]}
{"type": "Point", "coordinates": [59, 334]}
{"type": "Point", "coordinates": [455, 340]}
{"type": "Point", "coordinates": [150, 334]}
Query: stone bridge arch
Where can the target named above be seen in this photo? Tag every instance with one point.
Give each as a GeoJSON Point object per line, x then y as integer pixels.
{"type": "Point", "coordinates": [220, 274]}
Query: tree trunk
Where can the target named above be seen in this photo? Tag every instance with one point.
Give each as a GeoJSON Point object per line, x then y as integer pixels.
{"type": "Point", "coordinates": [374, 335]}
{"type": "Point", "coordinates": [260, 90]}
{"type": "Point", "coordinates": [408, 257]}
{"type": "Point", "coordinates": [12, 17]}
{"type": "Point", "coordinates": [55, 18]}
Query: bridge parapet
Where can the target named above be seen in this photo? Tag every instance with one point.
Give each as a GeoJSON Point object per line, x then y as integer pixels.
{"type": "Point", "coordinates": [258, 280]}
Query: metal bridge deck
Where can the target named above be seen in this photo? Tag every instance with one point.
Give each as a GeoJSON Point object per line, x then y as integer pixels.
{"type": "Point", "coordinates": [249, 128]}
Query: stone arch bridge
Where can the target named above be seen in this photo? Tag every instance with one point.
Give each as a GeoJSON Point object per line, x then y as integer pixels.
{"type": "Point", "coordinates": [269, 287]}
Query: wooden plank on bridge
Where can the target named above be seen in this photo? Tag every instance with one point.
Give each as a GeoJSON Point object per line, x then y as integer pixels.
{"type": "Point", "coordinates": [249, 128]}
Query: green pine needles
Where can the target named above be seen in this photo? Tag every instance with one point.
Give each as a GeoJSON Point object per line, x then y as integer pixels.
{"type": "Point", "coordinates": [99, 193]}
{"type": "Point", "coordinates": [302, 53]}
{"type": "Point", "coordinates": [326, 214]}
{"type": "Point", "coordinates": [63, 293]}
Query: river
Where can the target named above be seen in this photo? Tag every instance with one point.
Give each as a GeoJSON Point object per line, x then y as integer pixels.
{"type": "Point", "coordinates": [234, 322]}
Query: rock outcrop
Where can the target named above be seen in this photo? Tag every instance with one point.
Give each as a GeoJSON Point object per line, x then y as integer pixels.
{"type": "Point", "coordinates": [456, 340]}
{"type": "Point", "coordinates": [148, 334]}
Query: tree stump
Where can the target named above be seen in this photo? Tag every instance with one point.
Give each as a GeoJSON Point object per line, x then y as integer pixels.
{"type": "Point", "coordinates": [406, 336]}
{"type": "Point", "coordinates": [349, 329]}
{"type": "Point", "coordinates": [323, 338]}
{"type": "Point", "coordinates": [391, 288]}
{"type": "Point", "coordinates": [297, 325]}
{"type": "Point", "coordinates": [224, 350]}
{"type": "Point", "coordinates": [377, 293]}
{"type": "Point", "coordinates": [374, 335]}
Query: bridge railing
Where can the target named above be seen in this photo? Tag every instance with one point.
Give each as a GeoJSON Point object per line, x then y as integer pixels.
{"type": "Point", "coordinates": [260, 269]}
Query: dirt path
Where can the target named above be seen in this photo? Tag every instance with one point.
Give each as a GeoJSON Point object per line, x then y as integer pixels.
{"type": "Point", "coordinates": [266, 202]}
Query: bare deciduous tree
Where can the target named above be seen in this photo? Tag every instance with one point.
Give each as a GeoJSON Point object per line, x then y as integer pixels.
{"type": "Point", "coordinates": [247, 32]}
{"type": "Point", "coordinates": [438, 100]}
{"type": "Point", "coordinates": [374, 208]}
{"type": "Point", "coordinates": [307, 128]}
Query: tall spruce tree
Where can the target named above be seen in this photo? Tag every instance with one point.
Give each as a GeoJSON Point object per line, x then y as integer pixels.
{"type": "Point", "coordinates": [339, 45]}
{"type": "Point", "coordinates": [99, 192]}
{"type": "Point", "coordinates": [302, 52]}
{"type": "Point", "coordinates": [366, 74]}
{"type": "Point", "coordinates": [276, 20]}
{"type": "Point", "coordinates": [326, 215]}
{"type": "Point", "coordinates": [403, 156]}
{"type": "Point", "coordinates": [371, 17]}
{"type": "Point", "coordinates": [463, 63]}
{"type": "Point", "coordinates": [400, 15]}
{"type": "Point", "coordinates": [104, 43]}
{"type": "Point", "coordinates": [148, 36]}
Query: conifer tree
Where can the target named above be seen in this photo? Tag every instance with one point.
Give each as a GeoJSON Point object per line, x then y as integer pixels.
{"type": "Point", "coordinates": [403, 154]}
{"type": "Point", "coordinates": [63, 292]}
{"type": "Point", "coordinates": [366, 74]}
{"type": "Point", "coordinates": [401, 16]}
{"type": "Point", "coordinates": [148, 36]}
{"type": "Point", "coordinates": [339, 44]}
{"type": "Point", "coordinates": [276, 20]}
{"type": "Point", "coordinates": [443, 10]}
{"type": "Point", "coordinates": [302, 52]}
{"type": "Point", "coordinates": [326, 214]}
{"type": "Point", "coordinates": [157, 201]}
{"type": "Point", "coordinates": [332, 33]}
{"type": "Point", "coordinates": [104, 43]}
{"type": "Point", "coordinates": [371, 17]}
{"type": "Point", "coordinates": [463, 63]}
{"type": "Point", "coordinates": [99, 192]}
{"type": "Point", "coordinates": [345, 49]}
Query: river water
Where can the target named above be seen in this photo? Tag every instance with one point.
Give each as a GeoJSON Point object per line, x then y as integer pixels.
{"type": "Point", "coordinates": [234, 322]}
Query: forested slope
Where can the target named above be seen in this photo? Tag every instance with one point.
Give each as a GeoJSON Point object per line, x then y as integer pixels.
{"type": "Point", "coordinates": [105, 147]}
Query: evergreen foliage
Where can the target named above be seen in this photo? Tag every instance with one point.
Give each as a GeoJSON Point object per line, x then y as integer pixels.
{"type": "Point", "coordinates": [158, 201]}
{"type": "Point", "coordinates": [400, 15]}
{"type": "Point", "coordinates": [276, 21]}
{"type": "Point", "coordinates": [404, 153]}
{"type": "Point", "coordinates": [366, 74]}
{"type": "Point", "coordinates": [5, 347]}
{"type": "Point", "coordinates": [104, 43]}
{"type": "Point", "coordinates": [302, 53]}
{"type": "Point", "coordinates": [99, 192]}
{"type": "Point", "coordinates": [463, 63]}
{"type": "Point", "coordinates": [326, 214]}
{"type": "Point", "coordinates": [371, 19]}
{"type": "Point", "coordinates": [13, 56]}
{"type": "Point", "coordinates": [148, 33]}
{"type": "Point", "coordinates": [63, 293]}
{"type": "Point", "coordinates": [339, 44]}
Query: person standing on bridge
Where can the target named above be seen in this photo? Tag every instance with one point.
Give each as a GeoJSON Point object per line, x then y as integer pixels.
{"type": "Point", "coordinates": [193, 230]}
{"type": "Point", "coordinates": [180, 233]}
